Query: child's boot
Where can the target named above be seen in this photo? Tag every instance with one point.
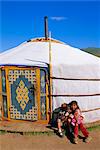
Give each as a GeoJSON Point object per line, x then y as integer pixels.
{"type": "Point", "coordinates": [88, 139]}
{"type": "Point", "coordinates": [75, 140]}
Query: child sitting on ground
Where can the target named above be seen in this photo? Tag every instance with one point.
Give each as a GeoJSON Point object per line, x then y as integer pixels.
{"type": "Point", "coordinates": [77, 122]}
{"type": "Point", "coordinates": [62, 117]}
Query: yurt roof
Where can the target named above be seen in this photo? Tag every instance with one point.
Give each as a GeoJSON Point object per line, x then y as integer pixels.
{"type": "Point", "coordinates": [35, 52]}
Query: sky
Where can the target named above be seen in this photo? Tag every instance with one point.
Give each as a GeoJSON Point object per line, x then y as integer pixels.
{"type": "Point", "coordinates": [73, 22]}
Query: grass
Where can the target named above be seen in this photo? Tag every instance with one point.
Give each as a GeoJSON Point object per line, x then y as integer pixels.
{"type": "Point", "coordinates": [93, 128]}
{"type": "Point", "coordinates": [2, 132]}
{"type": "Point", "coordinates": [48, 133]}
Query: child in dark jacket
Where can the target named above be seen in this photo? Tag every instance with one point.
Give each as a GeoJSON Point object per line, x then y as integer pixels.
{"type": "Point", "coordinates": [62, 117]}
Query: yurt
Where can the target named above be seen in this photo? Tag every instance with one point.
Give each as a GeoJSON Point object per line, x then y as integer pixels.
{"type": "Point", "coordinates": [40, 74]}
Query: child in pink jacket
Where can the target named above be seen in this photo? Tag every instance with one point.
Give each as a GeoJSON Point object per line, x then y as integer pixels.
{"type": "Point", "coordinates": [77, 122]}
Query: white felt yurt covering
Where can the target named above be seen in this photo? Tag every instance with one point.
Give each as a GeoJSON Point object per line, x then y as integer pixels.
{"type": "Point", "coordinates": [76, 74]}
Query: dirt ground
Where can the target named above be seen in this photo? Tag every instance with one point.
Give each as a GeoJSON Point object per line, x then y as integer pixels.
{"type": "Point", "coordinates": [11, 141]}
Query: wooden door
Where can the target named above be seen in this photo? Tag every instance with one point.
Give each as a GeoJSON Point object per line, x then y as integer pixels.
{"type": "Point", "coordinates": [23, 88]}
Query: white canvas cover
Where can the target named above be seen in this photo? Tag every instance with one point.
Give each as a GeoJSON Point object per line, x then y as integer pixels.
{"type": "Point", "coordinates": [76, 74]}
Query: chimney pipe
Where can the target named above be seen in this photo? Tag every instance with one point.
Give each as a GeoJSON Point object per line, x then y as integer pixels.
{"type": "Point", "coordinates": [46, 27]}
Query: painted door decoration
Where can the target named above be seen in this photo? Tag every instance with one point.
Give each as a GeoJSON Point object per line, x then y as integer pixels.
{"type": "Point", "coordinates": [23, 104]}
{"type": "Point", "coordinates": [4, 94]}
{"type": "Point", "coordinates": [43, 94]}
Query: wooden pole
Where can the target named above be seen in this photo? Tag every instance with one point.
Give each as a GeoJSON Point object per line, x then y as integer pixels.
{"type": "Point", "coordinates": [50, 70]}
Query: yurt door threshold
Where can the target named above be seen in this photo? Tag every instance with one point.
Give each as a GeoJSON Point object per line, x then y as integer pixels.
{"type": "Point", "coordinates": [26, 92]}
